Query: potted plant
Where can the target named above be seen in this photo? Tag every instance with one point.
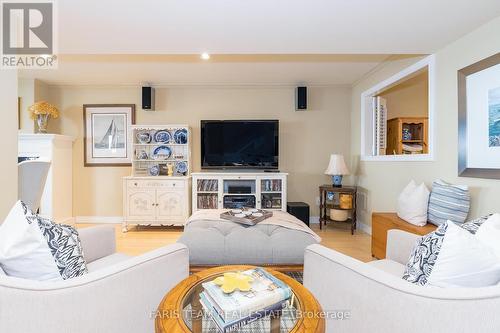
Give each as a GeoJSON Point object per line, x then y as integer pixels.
{"type": "Point", "coordinates": [41, 112]}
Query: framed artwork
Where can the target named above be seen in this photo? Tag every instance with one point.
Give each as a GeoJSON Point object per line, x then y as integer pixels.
{"type": "Point", "coordinates": [106, 129]}
{"type": "Point", "coordinates": [479, 119]}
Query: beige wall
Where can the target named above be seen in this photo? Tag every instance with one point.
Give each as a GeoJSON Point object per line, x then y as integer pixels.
{"type": "Point", "coordinates": [409, 98]}
{"type": "Point", "coordinates": [8, 128]}
{"type": "Point", "coordinates": [306, 138]}
{"type": "Point", "coordinates": [26, 91]}
{"type": "Point", "coordinates": [383, 181]}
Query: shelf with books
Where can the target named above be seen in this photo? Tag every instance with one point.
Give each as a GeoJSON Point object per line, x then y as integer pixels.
{"type": "Point", "coordinates": [208, 200]}
{"type": "Point", "coordinates": [269, 190]}
{"type": "Point", "coordinates": [270, 185]}
{"type": "Point", "coordinates": [207, 185]}
{"type": "Point", "coordinates": [271, 200]}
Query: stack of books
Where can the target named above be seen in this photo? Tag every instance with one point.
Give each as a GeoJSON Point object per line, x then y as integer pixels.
{"type": "Point", "coordinates": [268, 295]}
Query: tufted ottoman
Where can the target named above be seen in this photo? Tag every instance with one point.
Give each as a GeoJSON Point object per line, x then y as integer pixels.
{"type": "Point", "coordinates": [213, 243]}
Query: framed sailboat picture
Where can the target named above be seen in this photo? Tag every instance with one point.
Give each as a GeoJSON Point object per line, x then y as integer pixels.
{"type": "Point", "coordinates": [107, 133]}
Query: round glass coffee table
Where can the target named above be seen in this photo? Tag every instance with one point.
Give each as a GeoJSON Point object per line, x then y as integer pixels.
{"type": "Point", "coordinates": [181, 312]}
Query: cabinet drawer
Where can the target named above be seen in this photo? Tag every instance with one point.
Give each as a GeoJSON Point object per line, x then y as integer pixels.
{"type": "Point", "coordinates": [155, 183]}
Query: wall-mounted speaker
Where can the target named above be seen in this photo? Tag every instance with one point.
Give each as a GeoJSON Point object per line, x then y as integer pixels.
{"type": "Point", "coordinates": [301, 99]}
{"type": "Point", "coordinates": [148, 98]}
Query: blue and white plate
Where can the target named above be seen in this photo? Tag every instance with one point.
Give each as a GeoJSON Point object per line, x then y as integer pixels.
{"type": "Point", "coordinates": [162, 153]}
{"type": "Point", "coordinates": [162, 136]}
{"type": "Point", "coordinates": [181, 136]}
{"type": "Point", "coordinates": [143, 137]}
{"type": "Point", "coordinates": [142, 155]}
{"type": "Point", "coordinates": [154, 170]}
{"type": "Point", "coordinates": [181, 167]}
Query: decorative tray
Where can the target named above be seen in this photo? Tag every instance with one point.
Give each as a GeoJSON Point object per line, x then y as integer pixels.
{"type": "Point", "coordinates": [248, 216]}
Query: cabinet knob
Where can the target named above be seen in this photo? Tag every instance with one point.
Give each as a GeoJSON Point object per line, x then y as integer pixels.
{"type": "Point", "coordinates": [173, 184]}
{"type": "Point", "coordinates": [135, 184]}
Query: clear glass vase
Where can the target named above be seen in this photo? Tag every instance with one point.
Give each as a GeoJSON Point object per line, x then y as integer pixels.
{"type": "Point", "coordinates": [42, 121]}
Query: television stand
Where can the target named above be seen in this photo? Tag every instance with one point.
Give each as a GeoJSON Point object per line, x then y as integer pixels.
{"type": "Point", "coordinates": [210, 190]}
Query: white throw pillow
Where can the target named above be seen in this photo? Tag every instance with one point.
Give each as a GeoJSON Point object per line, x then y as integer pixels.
{"type": "Point", "coordinates": [32, 247]}
{"type": "Point", "coordinates": [489, 233]}
{"type": "Point", "coordinates": [464, 261]}
{"type": "Point", "coordinates": [24, 252]}
{"type": "Point", "coordinates": [412, 204]}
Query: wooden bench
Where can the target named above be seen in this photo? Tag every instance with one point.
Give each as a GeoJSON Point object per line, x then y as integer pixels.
{"type": "Point", "coordinates": [382, 222]}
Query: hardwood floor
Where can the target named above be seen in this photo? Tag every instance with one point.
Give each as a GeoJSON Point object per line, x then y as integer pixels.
{"type": "Point", "coordinates": [334, 236]}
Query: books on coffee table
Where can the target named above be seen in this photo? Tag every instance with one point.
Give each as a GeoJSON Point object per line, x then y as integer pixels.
{"type": "Point", "coordinates": [232, 311]}
{"type": "Point", "coordinates": [234, 325]}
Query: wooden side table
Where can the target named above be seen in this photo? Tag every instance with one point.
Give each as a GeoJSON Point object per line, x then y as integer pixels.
{"type": "Point", "coordinates": [383, 222]}
{"type": "Point", "coordinates": [348, 192]}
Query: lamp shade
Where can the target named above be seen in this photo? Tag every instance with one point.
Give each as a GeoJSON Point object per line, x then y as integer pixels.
{"type": "Point", "coordinates": [336, 166]}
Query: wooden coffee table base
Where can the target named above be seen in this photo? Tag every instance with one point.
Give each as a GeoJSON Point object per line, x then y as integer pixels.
{"type": "Point", "coordinates": [169, 319]}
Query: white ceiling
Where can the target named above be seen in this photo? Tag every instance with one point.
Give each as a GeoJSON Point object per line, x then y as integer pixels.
{"type": "Point", "coordinates": [278, 42]}
{"type": "Point", "coordinates": [266, 26]}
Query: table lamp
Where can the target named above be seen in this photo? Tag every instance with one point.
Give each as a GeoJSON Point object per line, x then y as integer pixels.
{"type": "Point", "coordinates": [337, 169]}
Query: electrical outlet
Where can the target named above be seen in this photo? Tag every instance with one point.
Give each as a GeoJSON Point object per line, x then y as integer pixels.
{"type": "Point", "coordinates": [317, 201]}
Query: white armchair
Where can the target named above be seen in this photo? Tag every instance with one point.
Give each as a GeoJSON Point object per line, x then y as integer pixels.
{"type": "Point", "coordinates": [379, 300]}
{"type": "Point", "coordinates": [119, 294]}
{"type": "Point", "coordinates": [32, 175]}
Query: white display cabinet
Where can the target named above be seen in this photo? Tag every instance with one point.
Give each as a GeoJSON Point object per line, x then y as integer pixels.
{"type": "Point", "coordinates": [224, 190]}
{"type": "Point", "coordinates": [158, 191]}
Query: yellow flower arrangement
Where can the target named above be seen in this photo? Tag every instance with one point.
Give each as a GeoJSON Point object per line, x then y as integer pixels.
{"type": "Point", "coordinates": [43, 107]}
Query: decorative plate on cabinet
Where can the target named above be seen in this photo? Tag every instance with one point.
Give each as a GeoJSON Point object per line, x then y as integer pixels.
{"type": "Point", "coordinates": [162, 153]}
{"type": "Point", "coordinates": [142, 155]}
{"type": "Point", "coordinates": [162, 136]}
{"type": "Point", "coordinates": [143, 137]}
{"type": "Point", "coordinates": [181, 167]}
{"type": "Point", "coordinates": [154, 170]}
{"type": "Point", "coordinates": [181, 136]}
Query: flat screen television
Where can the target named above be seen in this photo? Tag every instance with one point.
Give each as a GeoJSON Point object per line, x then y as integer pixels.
{"type": "Point", "coordinates": [239, 144]}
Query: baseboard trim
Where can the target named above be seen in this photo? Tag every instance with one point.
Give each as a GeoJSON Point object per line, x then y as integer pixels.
{"type": "Point", "coordinates": [68, 220]}
{"type": "Point", "coordinates": [365, 227]}
{"type": "Point", "coordinates": [99, 219]}
{"type": "Point", "coordinates": [119, 219]}
{"type": "Point", "coordinates": [314, 220]}
{"type": "Point", "coordinates": [61, 220]}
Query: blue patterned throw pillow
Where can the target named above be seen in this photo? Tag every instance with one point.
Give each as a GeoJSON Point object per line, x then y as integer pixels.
{"type": "Point", "coordinates": [64, 244]}
{"type": "Point", "coordinates": [426, 251]}
{"type": "Point", "coordinates": [448, 202]}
